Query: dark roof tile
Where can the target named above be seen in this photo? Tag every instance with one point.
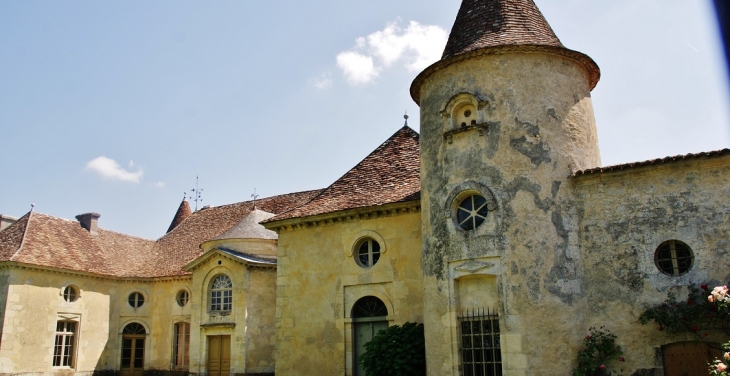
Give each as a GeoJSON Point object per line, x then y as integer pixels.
{"type": "Point", "coordinates": [652, 162]}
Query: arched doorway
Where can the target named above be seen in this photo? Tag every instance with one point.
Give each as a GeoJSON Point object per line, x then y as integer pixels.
{"type": "Point", "coordinates": [689, 358]}
{"type": "Point", "coordinates": [368, 317]}
{"type": "Point", "coordinates": [133, 337]}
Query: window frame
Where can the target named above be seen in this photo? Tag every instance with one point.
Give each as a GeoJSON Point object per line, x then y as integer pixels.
{"type": "Point", "coordinates": [139, 299]}
{"type": "Point", "coordinates": [70, 298]}
{"type": "Point", "coordinates": [674, 245]}
{"type": "Point", "coordinates": [67, 357]}
{"type": "Point", "coordinates": [181, 362]}
{"type": "Point", "coordinates": [477, 355]}
{"type": "Point", "coordinates": [217, 296]}
{"type": "Point", "coordinates": [179, 297]}
{"type": "Point", "coordinates": [459, 205]}
{"type": "Point", "coordinates": [373, 256]}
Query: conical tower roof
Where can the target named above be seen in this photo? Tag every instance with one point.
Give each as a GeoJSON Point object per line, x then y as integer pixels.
{"type": "Point", "coordinates": [183, 211]}
{"type": "Point", "coordinates": [489, 23]}
{"type": "Point", "coordinates": [485, 27]}
{"type": "Point", "coordinates": [249, 227]}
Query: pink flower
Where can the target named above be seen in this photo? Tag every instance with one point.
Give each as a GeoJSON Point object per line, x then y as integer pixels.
{"type": "Point", "coordinates": [727, 355]}
{"type": "Point", "coordinates": [603, 366]}
{"type": "Point", "coordinates": [710, 298]}
{"type": "Point", "coordinates": [721, 367]}
{"type": "Point", "coordinates": [620, 358]}
{"type": "Point", "coordinates": [588, 337]}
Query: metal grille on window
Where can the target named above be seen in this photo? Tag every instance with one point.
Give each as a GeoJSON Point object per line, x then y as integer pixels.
{"type": "Point", "coordinates": [221, 294]}
{"type": "Point", "coordinates": [481, 354]}
{"type": "Point", "coordinates": [64, 347]}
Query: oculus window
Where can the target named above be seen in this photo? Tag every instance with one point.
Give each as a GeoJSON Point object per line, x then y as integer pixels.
{"type": "Point", "coordinates": [182, 298]}
{"type": "Point", "coordinates": [471, 211]}
{"type": "Point", "coordinates": [368, 252]}
{"type": "Point", "coordinates": [135, 299]}
{"type": "Point", "coordinates": [70, 294]}
{"type": "Point", "coordinates": [674, 258]}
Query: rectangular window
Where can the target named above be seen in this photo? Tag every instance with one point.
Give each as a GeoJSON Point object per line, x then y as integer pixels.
{"type": "Point", "coordinates": [221, 300]}
{"type": "Point", "coordinates": [181, 349]}
{"type": "Point", "coordinates": [63, 352]}
{"type": "Point", "coordinates": [481, 354]}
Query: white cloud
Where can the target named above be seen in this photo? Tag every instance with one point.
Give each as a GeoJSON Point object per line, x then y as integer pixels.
{"type": "Point", "coordinates": [358, 68]}
{"type": "Point", "coordinates": [323, 82]}
{"type": "Point", "coordinates": [110, 169]}
{"type": "Point", "coordinates": [416, 47]}
{"type": "Point", "coordinates": [159, 184]}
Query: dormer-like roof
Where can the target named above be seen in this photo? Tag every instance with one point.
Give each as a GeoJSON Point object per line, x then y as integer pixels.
{"type": "Point", "coordinates": [485, 27]}
{"type": "Point", "coordinates": [249, 227]}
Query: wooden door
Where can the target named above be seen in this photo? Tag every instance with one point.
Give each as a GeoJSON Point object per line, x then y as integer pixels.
{"type": "Point", "coordinates": [219, 355]}
{"type": "Point", "coordinates": [689, 358]}
{"type": "Point", "coordinates": [132, 355]}
{"type": "Point", "coordinates": [364, 332]}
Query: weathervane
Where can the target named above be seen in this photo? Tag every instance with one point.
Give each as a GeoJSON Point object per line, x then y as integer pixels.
{"type": "Point", "coordinates": [197, 193]}
{"type": "Point", "coordinates": [254, 195]}
{"type": "Point", "coordinates": [406, 117]}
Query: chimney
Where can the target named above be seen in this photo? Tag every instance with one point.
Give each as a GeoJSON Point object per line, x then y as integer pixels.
{"type": "Point", "coordinates": [89, 221]}
{"type": "Point", "coordinates": [6, 221]}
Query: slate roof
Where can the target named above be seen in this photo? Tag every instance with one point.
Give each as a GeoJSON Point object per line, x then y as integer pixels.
{"type": "Point", "coordinates": [44, 240]}
{"type": "Point", "coordinates": [183, 211]}
{"type": "Point", "coordinates": [391, 173]}
{"type": "Point", "coordinates": [249, 227]}
{"type": "Point", "coordinates": [653, 162]}
{"type": "Point", "coordinates": [489, 23]}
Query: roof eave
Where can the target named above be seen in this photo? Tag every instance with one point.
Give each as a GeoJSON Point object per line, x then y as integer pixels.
{"type": "Point", "coordinates": [590, 66]}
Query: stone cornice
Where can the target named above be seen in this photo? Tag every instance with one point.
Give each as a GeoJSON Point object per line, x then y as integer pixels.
{"type": "Point", "coordinates": [345, 216]}
{"type": "Point", "coordinates": [10, 265]}
{"type": "Point", "coordinates": [589, 66]}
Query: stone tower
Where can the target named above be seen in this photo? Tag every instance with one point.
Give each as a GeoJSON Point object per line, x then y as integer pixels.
{"type": "Point", "coordinates": [506, 118]}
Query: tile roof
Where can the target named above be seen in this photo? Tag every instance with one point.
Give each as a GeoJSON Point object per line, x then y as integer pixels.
{"type": "Point", "coordinates": [489, 23]}
{"type": "Point", "coordinates": [44, 240]}
{"type": "Point", "coordinates": [183, 211]}
{"type": "Point", "coordinates": [653, 162]}
{"type": "Point", "coordinates": [391, 173]}
{"type": "Point", "coordinates": [501, 26]}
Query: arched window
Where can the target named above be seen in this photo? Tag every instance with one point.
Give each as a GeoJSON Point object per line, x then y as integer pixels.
{"type": "Point", "coordinates": [221, 294]}
{"type": "Point", "coordinates": [369, 306]}
{"type": "Point", "coordinates": [133, 337]}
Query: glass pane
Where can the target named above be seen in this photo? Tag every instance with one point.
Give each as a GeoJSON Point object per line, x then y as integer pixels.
{"type": "Point", "coordinates": [467, 204]}
{"type": "Point", "coordinates": [479, 201]}
{"type": "Point", "coordinates": [376, 257]}
{"type": "Point", "coordinates": [476, 327]}
{"type": "Point", "coordinates": [465, 327]}
{"type": "Point", "coordinates": [462, 215]}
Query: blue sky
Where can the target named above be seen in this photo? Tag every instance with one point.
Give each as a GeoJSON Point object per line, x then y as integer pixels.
{"type": "Point", "coordinates": [115, 107]}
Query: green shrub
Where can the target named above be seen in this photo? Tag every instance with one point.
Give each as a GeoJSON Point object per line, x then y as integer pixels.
{"type": "Point", "coordinates": [396, 351]}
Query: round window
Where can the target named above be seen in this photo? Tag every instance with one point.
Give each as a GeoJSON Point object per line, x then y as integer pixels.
{"type": "Point", "coordinates": [368, 252]}
{"type": "Point", "coordinates": [70, 294]}
{"type": "Point", "coordinates": [471, 211]}
{"type": "Point", "coordinates": [136, 299]}
{"type": "Point", "coordinates": [182, 298]}
{"type": "Point", "coordinates": [674, 258]}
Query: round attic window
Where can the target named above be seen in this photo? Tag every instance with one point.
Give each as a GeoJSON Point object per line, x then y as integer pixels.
{"type": "Point", "coordinates": [70, 294]}
{"type": "Point", "coordinates": [674, 258]}
{"type": "Point", "coordinates": [182, 298]}
{"type": "Point", "coordinates": [368, 252]}
{"type": "Point", "coordinates": [136, 299]}
{"type": "Point", "coordinates": [471, 211]}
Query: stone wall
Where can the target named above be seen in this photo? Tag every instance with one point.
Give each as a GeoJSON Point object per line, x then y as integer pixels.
{"type": "Point", "coordinates": [319, 281]}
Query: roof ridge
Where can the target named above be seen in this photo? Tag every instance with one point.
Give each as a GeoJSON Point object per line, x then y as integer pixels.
{"type": "Point", "coordinates": [99, 229]}
{"type": "Point", "coordinates": [25, 232]}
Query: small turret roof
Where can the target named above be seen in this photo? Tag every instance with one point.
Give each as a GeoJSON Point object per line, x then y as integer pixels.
{"type": "Point", "coordinates": [249, 227]}
{"type": "Point", "coordinates": [501, 26]}
{"type": "Point", "coordinates": [488, 23]}
{"type": "Point", "coordinates": [183, 211]}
